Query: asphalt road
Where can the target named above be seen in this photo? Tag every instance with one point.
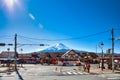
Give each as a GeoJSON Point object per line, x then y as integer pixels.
{"type": "Point", "coordinates": [45, 72]}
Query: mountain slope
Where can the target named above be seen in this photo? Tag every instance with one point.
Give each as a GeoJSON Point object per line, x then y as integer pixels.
{"type": "Point", "coordinates": [56, 48]}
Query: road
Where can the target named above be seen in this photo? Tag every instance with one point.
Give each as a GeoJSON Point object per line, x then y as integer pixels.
{"type": "Point", "coordinates": [45, 72]}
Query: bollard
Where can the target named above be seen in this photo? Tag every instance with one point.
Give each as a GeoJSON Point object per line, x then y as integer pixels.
{"type": "Point", "coordinates": [61, 69]}
{"type": "Point", "coordinates": [56, 69]}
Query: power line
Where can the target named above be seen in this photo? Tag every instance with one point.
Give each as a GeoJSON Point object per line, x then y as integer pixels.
{"type": "Point", "coordinates": [33, 38]}
{"type": "Point", "coordinates": [82, 37]}
{"type": "Point", "coordinates": [6, 36]}
{"type": "Point", "coordinates": [116, 28]}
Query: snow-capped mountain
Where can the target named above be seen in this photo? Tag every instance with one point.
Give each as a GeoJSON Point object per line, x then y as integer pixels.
{"type": "Point", "coordinates": [59, 47]}
{"type": "Point", "coordinates": [56, 48]}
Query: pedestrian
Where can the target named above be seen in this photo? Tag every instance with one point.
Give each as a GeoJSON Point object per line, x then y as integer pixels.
{"type": "Point", "coordinates": [88, 67]}
{"type": "Point", "coordinates": [84, 66]}
{"type": "Point", "coordinates": [100, 65]}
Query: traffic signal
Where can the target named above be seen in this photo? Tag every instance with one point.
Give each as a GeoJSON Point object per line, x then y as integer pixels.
{"type": "Point", "coordinates": [42, 45]}
{"type": "Point", "coordinates": [10, 44]}
{"type": "Point", "coordinates": [2, 44]}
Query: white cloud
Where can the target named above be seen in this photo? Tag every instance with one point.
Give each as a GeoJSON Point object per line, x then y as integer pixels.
{"type": "Point", "coordinates": [31, 16]}
{"type": "Point", "coordinates": [41, 26]}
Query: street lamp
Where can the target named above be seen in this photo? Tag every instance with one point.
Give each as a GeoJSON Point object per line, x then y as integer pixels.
{"type": "Point", "coordinates": [8, 58]}
{"type": "Point", "coordinates": [8, 51]}
{"type": "Point", "coordinates": [101, 46]}
{"type": "Point", "coordinates": [21, 56]}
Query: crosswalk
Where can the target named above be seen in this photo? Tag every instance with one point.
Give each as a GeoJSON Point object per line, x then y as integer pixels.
{"type": "Point", "coordinates": [74, 73]}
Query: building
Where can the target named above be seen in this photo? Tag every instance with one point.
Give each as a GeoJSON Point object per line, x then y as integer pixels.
{"type": "Point", "coordinates": [71, 55]}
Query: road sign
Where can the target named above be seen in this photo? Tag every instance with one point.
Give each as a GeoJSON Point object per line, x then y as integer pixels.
{"type": "Point", "coordinates": [9, 58]}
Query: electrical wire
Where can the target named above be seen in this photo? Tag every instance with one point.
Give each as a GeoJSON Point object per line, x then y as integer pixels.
{"type": "Point", "coordinates": [33, 38]}
{"type": "Point", "coordinates": [6, 36]}
{"type": "Point", "coordinates": [74, 38]}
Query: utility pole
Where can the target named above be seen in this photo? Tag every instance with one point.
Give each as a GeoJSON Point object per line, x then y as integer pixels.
{"type": "Point", "coordinates": [96, 50]}
{"type": "Point", "coordinates": [102, 57]}
{"type": "Point", "coordinates": [15, 55]}
{"type": "Point", "coordinates": [112, 50]}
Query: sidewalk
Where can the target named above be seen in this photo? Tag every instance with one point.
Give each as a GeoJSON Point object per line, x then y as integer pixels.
{"type": "Point", "coordinates": [3, 69]}
{"type": "Point", "coordinates": [105, 71]}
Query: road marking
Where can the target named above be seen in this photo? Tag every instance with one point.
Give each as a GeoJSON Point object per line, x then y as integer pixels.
{"type": "Point", "coordinates": [64, 73]}
{"type": "Point", "coordinates": [69, 72]}
{"type": "Point", "coordinates": [74, 73]}
{"type": "Point", "coordinates": [85, 73]}
{"type": "Point", "coordinates": [80, 73]}
{"type": "Point", "coordinates": [113, 78]}
{"type": "Point", "coordinates": [102, 75]}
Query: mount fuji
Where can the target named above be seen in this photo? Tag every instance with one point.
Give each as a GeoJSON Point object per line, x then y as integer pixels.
{"type": "Point", "coordinates": [59, 47]}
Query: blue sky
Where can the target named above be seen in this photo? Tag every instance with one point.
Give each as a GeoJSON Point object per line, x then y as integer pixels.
{"type": "Point", "coordinates": [60, 19]}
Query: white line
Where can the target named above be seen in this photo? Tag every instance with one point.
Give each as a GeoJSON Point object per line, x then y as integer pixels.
{"type": "Point", "coordinates": [85, 73]}
{"type": "Point", "coordinates": [69, 72]}
{"type": "Point", "coordinates": [64, 73]}
{"type": "Point", "coordinates": [80, 72]}
{"type": "Point", "coordinates": [74, 72]}
{"type": "Point", "coordinates": [102, 75]}
{"type": "Point", "coordinates": [113, 78]}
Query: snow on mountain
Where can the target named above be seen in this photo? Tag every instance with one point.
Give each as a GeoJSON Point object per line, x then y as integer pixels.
{"type": "Point", "coordinates": [59, 47]}
{"type": "Point", "coordinates": [56, 48]}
